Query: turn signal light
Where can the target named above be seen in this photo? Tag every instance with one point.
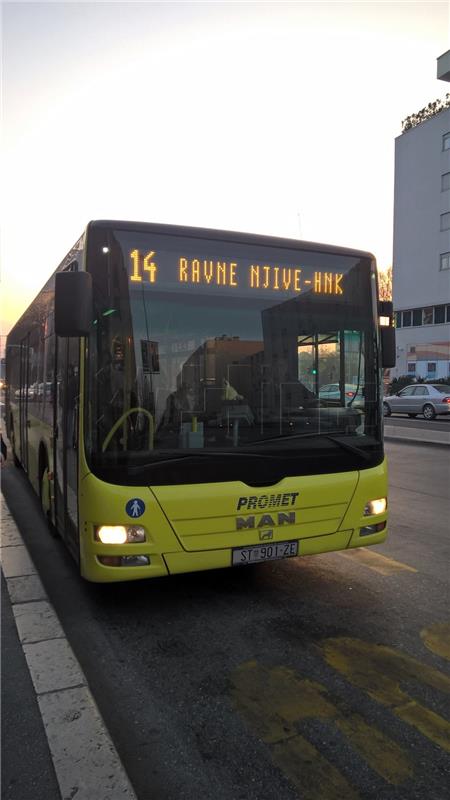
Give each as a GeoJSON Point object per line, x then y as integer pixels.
{"type": "Point", "coordinates": [135, 533]}
{"type": "Point", "coordinates": [374, 507]}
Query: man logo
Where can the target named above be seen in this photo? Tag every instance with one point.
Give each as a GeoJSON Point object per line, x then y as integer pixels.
{"type": "Point", "coordinates": [282, 518]}
{"type": "Point", "coordinates": [263, 535]}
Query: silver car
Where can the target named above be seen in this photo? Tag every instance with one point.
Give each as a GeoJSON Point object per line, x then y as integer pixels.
{"type": "Point", "coordinates": [332, 392]}
{"type": "Point", "coordinates": [428, 399]}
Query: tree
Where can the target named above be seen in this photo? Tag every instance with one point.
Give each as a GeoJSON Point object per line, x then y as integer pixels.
{"type": "Point", "coordinates": [426, 113]}
{"type": "Point", "coordinates": [385, 284]}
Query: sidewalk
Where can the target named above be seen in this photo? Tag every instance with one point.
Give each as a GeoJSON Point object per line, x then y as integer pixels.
{"type": "Point", "coordinates": [54, 742]}
{"type": "Point", "coordinates": [27, 766]}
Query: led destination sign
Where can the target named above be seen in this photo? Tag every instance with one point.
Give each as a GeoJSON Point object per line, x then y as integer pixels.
{"type": "Point", "coordinates": [146, 267]}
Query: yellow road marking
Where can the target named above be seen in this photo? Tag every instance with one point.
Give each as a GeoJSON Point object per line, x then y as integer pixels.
{"type": "Point", "coordinates": [437, 639]}
{"type": "Point", "coordinates": [375, 561]}
{"type": "Point", "coordinates": [380, 671]}
{"type": "Point", "coordinates": [274, 702]}
{"type": "Point", "coordinates": [381, 753]}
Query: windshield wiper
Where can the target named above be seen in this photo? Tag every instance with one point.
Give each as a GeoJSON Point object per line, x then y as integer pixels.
{"type": "Point", "coordinates": [344, 445]}
{"type": "Point", "coordinates": [202, 454]}
{"type": "Point", "coordinates": [247, 454]}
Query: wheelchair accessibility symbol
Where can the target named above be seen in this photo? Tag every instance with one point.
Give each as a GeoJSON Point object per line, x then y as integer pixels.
{"type": "Point", "coordinates": [135, 507]}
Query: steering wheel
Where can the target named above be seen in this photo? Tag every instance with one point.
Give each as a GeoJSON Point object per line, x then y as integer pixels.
{"type": "Point", "coordinates": [122, 419]}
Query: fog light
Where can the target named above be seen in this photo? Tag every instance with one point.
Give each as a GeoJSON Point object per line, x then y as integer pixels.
{"type": "Point", "coordinates": [112, 534]}
{"type": "Point", "coordinates": [135, 561]}
{"type": "Point", "coordinates": [120, 534]}
{"type": "Point", "coordinates": [375, 507]}
{"type": "Point", "coordinates": [371, 529]}
{"type": "Point", "coordinates": [124, 561]}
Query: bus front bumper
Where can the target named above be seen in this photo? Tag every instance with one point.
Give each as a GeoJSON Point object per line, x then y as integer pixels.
{"type": "Point", "coordinates": [181, 561]}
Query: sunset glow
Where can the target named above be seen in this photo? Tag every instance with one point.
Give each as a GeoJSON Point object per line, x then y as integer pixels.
{"type": "Point", "coordinates": [275, 118]}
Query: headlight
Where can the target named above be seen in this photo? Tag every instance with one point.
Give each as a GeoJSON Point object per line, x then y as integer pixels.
{"type": "Point", "coordinates": [374, 507]}
{"type": "Point", "coordinates": [120, 534]}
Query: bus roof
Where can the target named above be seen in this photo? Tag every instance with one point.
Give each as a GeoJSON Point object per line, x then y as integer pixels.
{"type": "Point", "coordinates": [230, 236]}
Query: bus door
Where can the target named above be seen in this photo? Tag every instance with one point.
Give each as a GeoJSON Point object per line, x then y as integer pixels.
{"type": "Point", "coordinates": [320, 359]}
{"type": "Point", "coordinates": [24, 380]}
{"type": "Point", "coordinates": [66, 441]}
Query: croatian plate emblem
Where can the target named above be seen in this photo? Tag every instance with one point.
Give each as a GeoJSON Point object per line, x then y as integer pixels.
{"type": "Point", "coordinates": [135, 507]}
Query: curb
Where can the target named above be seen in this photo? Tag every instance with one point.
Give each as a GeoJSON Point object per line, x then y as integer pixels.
{"type": "Point", "coordinates": [419, 442]}
{"type": "Point", "coordinates": [85, 760]}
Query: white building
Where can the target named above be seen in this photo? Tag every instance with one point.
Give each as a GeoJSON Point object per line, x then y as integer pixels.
{"type": "Point", "coordinates": [421, 263]}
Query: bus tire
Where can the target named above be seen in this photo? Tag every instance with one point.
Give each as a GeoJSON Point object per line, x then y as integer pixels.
{"type": "Point", "coordinates": [12, 439]}
{"type": "Point", "coordinates": [45, 492]}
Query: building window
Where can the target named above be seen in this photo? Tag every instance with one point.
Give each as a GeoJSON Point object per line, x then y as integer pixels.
{"type": "Point", "coordinates": [448, 313]}
{"type": "Point", "coordinates": [412, 348]}
{"type": "Point", "coordinates": [431, 369]}
{"type": "Point", "coordinates": [428, 315]}
{"type": "Point", "coordinates": [444, 261]}
{"type": "Point", "coordinates": [446, 141]}
{"type": "Point", "coordinates": [398, 319]}
{"type": "Point", "coordinates": [439, 314]}
{"type": "Point", "coordinates": [445, 182]}
{"type": "Point", "coordinates": [445, 221]}
{"type": "Point", "coordinates": [417, 316]}
{"type": "Point", "coordinates": [406, 321]}
{"type": "Point", "coordinates": [411, 367]}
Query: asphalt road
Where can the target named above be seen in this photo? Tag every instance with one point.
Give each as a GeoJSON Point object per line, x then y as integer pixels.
{"type": "Point", "coordinates": [320, 678]}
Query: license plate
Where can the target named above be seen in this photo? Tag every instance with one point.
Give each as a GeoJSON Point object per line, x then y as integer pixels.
{"type": "Point", "coordinates": [264, 552]}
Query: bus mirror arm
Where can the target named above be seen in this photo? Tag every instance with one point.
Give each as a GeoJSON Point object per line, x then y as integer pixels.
{"type": "Point", "coordinates": [73, 304]}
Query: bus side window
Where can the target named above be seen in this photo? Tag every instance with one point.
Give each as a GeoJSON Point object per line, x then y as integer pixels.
{"type": "Point", "coordinates": [41, 375]}
{"type": "Point", "coordinates": [49, 376]}
{"type": "Point", "coordinates": [33, 385]}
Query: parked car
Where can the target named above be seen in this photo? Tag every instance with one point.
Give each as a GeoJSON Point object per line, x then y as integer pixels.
{"type": "Point", "coordinates": [428, 399]}
{"type": "Point", "coordinates": [353, 395]}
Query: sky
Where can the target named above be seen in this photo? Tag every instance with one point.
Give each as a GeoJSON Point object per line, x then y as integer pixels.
{"type": "Point", "coordinates": [269, 117]}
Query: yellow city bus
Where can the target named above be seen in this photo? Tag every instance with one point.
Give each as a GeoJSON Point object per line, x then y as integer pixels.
{"type": "Point", "coordinates": [168, 395]}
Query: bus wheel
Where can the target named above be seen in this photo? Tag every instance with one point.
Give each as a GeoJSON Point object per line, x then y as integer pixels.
{"type": "Point", "coordinates": [12, 439]}
{"type": "Point", "coordinates": [45, 496]}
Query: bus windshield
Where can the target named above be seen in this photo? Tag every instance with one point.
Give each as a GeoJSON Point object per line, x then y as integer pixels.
{"type": "Point", "coordinates": [262, 358]}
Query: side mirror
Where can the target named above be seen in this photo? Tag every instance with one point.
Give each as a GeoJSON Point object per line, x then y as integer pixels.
{"type": "Point", "coordinates": [387, 333]}
{"type": "Point", "coordinates": [387, 347]}
{"type": "Point", "coordinates": [73, 303]}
